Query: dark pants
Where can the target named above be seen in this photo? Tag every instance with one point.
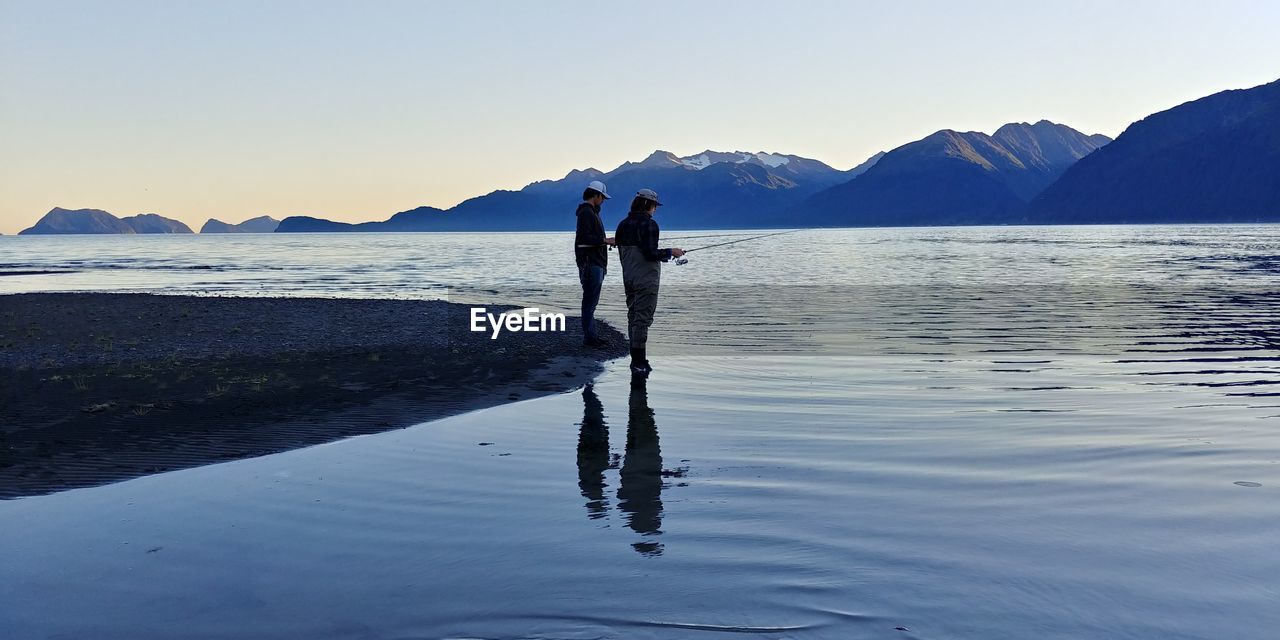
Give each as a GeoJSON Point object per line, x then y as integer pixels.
{"type": "Point", "coordinates": [592, 278]}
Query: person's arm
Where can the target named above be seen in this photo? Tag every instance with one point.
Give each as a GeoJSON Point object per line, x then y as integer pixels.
{"type": "Point", "coordinates": [597, 230]}
{"type": "Point", "coordinates": [649, 243]}
{"type": "Point", "coordinates": [584, 227]}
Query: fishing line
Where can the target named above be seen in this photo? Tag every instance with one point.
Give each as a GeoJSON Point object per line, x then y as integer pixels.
{"type": "Point", "coordinates": [725, 244]}
{"type": "Point", "coordinates": [711, 235]}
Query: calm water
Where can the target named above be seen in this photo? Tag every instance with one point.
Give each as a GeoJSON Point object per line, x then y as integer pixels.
{"type": "Point", "coordinates": [962, 433]}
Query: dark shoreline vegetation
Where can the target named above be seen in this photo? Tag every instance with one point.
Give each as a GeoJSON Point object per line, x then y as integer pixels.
{"type": "Point", "coordinates": [101, 387]}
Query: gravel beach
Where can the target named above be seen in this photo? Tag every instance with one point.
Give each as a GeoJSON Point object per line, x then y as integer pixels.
{"type": "Point", "coordinates": [100, 387]}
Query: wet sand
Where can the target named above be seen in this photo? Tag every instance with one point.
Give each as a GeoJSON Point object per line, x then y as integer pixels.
{"type": "Point", "coordinates": [96, 388]}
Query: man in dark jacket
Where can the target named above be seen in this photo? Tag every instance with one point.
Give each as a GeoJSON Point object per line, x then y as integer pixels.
{"type": "Point", "coordinates": [637, 241]}
{"type": "Point", "coordinates": [591, 251]}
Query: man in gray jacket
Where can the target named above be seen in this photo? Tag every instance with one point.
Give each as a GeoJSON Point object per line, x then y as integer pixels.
{"type": "Point", "coordinates": [637, 242]}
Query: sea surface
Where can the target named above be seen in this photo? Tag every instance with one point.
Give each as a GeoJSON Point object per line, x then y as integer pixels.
{"type": "Point", "coordinates": [985, 433]}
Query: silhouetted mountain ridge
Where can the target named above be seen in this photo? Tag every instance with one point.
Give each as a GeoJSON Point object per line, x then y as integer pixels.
{"type": "Point", "coordinates": [1215, 159]}
{"type": "Point", "coordinates": [951, 177]}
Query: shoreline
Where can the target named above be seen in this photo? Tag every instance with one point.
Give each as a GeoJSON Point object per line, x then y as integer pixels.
{"type": "Point", "coordinates": [103, 387]}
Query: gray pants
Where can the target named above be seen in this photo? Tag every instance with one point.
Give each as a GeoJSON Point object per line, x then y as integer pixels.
{"type": "Point", "coordinates": [640, 279]}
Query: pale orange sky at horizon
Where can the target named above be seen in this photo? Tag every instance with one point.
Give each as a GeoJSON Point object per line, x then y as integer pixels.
{"type": "Point", "coordinates": [232, 110]}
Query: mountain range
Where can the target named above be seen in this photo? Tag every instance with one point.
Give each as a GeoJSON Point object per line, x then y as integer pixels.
{"type": "Point", "coordinates": [950, 177]}
{"type": "Point", "coordinates": [1216, 159]}
{"type": "Point", "coordinates": [946, 178]}
{"type": "Point", "coordinates": [1209, 160]}
{"type": "Point", "coordinates": [97, 221]}
{"type": "Point", "coordinates": [714, 189]}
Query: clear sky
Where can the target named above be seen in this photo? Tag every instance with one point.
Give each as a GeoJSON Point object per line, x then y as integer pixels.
{"type": "Point", "coordinates": [355, 110]}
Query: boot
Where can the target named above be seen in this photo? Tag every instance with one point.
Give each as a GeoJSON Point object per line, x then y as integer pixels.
{"type": "Point", "coordinates": [639, 363]}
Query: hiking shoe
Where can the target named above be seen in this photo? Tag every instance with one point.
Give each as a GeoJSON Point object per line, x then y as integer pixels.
{"type": "Point", "coordinates": [641, 368]}
{"type": "Point", "coordinates": [595, 343]}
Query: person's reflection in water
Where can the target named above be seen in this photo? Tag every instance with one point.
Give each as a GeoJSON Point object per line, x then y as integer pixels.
{"type": "Point", "coordinates": [640, 494]}
{"type": "Point", "coordinates": [593, 454]}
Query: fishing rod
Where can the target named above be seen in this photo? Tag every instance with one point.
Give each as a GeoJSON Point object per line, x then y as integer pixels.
{"type": "Point", "coordinates": [724, 244]}
{"type": "Point", "coordinates": [710, 235]}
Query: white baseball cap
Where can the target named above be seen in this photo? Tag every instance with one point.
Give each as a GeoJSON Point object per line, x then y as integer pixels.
{"type": "Point", "coordinates": [599, 186]}
{"type": "Point", "coordinates": [649, 194]}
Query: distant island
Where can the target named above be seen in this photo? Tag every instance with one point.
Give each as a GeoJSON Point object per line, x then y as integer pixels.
{"type": "Point", "coordinates": [59, 221]}
{"type": "Point", "coordinates": [1209, 160]}
{"type": "Point", "coordinates": [260, 224]}
{"type": "Point", "coordinates": [97, 221]}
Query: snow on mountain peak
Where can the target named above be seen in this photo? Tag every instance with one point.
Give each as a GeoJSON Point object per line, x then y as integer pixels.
{"type": "Point", "coordinates": [701, 161]}
{"type": "Point", "coordinates": [772, 159]}
{"type": "Point", "coordinates": [709, 157]}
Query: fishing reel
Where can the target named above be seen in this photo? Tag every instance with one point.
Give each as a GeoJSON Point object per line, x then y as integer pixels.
{"type": "Point", "coordinates": [680, 261]}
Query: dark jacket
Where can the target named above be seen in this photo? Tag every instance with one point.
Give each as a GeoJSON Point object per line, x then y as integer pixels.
{"type": "Point", "coordinates": [591, 234]}
{"type": "Point", "coordinates": [640, 230]}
